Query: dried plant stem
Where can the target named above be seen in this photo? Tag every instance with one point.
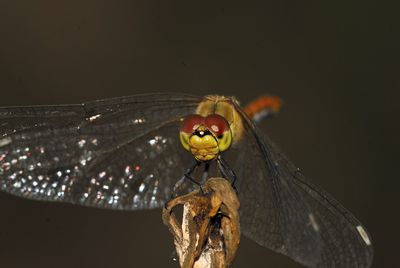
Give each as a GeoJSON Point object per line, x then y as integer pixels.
{"type": "Point", "coordinates": [209, 234]}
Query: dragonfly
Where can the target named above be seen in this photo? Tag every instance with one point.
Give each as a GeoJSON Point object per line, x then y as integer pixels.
{"type": "Point", "coordinates": [127, 153]}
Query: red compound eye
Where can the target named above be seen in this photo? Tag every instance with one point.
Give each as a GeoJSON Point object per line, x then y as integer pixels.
{"type": "Point", "coordinates": [216, 124]}
{"type": "Point", "coordinates": [191, 123]}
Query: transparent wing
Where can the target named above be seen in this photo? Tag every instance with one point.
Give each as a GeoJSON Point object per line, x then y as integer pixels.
{"type": "Point", "coordinates": [121, 153]}
{"type": "Point", "coordinates": [282, 211]}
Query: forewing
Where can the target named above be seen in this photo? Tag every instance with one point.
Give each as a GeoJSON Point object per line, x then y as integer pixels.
{"type": "Point", "coordinates": [282, 211]}
{"type": "Point", "coordinates": [121, 153]}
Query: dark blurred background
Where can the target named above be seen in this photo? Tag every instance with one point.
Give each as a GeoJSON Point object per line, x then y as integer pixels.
{"type": "Point", "coordinates": [333, 63]}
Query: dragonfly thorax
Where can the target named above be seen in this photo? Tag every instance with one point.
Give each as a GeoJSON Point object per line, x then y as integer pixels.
{"type": "Point", "coordinates": [205, 137]}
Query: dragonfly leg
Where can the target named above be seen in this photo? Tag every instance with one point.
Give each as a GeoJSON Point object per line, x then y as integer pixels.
{"type": "Point", "coordinates": [226, 171]}
{"type": "Point", "coordinates": [193, 180]}
{"type": "Point", "coordinates": [186, 175]}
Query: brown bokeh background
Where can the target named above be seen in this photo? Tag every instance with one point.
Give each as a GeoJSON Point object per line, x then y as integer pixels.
{"type": "Point", "coordinates": [333, 63]}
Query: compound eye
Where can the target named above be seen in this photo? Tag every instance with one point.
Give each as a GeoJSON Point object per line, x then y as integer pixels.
{"type": "Point", "coordinates": [216, 124]}
{"type": "Point", "coordinates": [191, 123]}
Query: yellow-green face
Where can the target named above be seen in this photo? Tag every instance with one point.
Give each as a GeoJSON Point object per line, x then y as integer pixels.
{"type": "Point", "coordinates": [205, 137]}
